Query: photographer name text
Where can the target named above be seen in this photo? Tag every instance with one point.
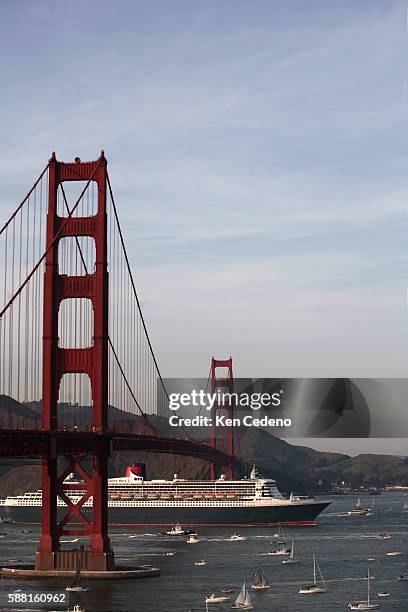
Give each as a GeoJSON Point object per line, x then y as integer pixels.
{"type": "Point", "coordinates": [223, 421]}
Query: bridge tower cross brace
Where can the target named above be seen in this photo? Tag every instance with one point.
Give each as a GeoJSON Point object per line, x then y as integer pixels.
{"type": "Point", "coordinates": [92, 361]}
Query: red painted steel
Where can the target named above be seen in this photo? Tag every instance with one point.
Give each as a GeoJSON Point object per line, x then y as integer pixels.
{"type": "Point", "coordinates": [227, 385]}
{"type": "Point", "coordinates": [92, 361]}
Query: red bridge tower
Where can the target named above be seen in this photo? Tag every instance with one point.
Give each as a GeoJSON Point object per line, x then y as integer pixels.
{"type": "Point", "coordinates": [92, 361]}
{"type": "Point", "coordinates": [224, 385]}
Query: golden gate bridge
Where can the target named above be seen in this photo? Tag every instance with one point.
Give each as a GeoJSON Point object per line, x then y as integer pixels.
{"type": "Point", "coordinates": [78, 375]}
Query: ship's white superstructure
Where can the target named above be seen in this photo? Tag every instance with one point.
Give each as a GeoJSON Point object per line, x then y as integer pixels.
{"type": "Point", "coordinates": [133, 490]}
{"type": "Point", "coordinates": [183, 499]}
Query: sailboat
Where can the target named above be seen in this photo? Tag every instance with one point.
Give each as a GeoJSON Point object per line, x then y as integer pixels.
{"type": "Point", "coordinates": [279, 537]}
{"type": "Point", "coordinates": [282, 545]}
{"type": "Point", "coordinates": [405, 507]}
{"type": "Point", "coordinates": [76, 587]}
{"type": "Point", "coordinates": [291, 559]}
{"type": "Point", "coordinates": [311, 589]}
{"type": "Point", "coordinates": [243, 601]}
{"type": "Point", "coordinates": [358, 510]}
{"type": "Point", "coordinates": [364, 605]}
{"type": "Point", "coordinates": [260, 581]}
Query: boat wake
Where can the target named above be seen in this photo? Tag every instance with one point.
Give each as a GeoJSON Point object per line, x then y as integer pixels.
{"type": "Point", "coordinates": [70, 541]}
{"type": "Point", "coordinates": [216, 540]}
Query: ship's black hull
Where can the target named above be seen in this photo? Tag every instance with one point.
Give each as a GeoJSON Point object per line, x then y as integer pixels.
{"type": "Point", "coordinates": [304, 514]}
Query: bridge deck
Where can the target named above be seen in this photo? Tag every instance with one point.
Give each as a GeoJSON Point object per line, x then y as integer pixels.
{"type": "Point", "coordinates": [39, 443]}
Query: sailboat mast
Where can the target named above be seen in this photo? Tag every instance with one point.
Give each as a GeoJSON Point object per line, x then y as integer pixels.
{"type": "Point", "coordinates": [314, 570]}
{"type": "Point", "coordinates": [368, 587]}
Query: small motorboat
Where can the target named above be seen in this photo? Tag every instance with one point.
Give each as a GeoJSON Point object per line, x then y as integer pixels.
{"type": "Point", "coordinates": [404, 576]}
{"type": "Point", "coordinates": [201, 562]}
{"type": "Point", "coordinates": [260, 582]}
{"type": "Point", "coordinates": [371, 559]}
{"type": "Point", "coordinates": [170, 553]}
{"type": "Point", "coordinates": [214, 599]}
{"type": "Point", "coordinates": [394, 553]}
{"type": "Point", "coordinates": [76, 586]}
{"type": "Point", "coordinates": [384, 535]}
{"type": "Point", "coordinates": [192, 540]}
{"type": "Point", "coordinates": [228, 589]}
{"type": "Point", "coordinates": [236, 538]}
{"type": "Point", "coordinates": [383, 594]}
{"type": "Point", "coordinates": [282, 550]}
{"type": "Point", "coordinates": [177, 530]}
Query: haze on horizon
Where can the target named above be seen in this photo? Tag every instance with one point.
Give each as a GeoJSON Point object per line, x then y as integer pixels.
{"type": "Point", "coordinates": [258, 153]}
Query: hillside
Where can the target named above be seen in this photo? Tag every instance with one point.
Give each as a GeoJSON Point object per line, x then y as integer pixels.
{"type": "Point", "coordinates": [372, 470]}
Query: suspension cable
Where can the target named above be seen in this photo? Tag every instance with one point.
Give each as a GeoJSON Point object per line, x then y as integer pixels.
{"type": "Point", "coordinates": [50, 246]}
{"type": "Point", "coordinates": [128, 385]}
{"type": "Point", "coordinates": [137, 298]}
{"type": "Point", "coordinates": [134, 288]}
{"type": "Point", "coordinates": [19, 207]}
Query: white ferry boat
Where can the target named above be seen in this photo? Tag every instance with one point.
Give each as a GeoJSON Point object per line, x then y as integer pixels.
{"type": "Point", "coordinates": [133, 500]}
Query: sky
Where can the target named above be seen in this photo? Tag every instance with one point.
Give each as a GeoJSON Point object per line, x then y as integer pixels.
{"type": "Point", "coordinates": [258, 154]}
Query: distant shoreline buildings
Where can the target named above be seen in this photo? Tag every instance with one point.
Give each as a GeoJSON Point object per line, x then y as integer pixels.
{"type": "Point", "coordinates": [395, 487]}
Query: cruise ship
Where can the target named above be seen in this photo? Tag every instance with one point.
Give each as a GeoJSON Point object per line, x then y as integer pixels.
{"type": "Point", "coordinates": [133, 500]}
